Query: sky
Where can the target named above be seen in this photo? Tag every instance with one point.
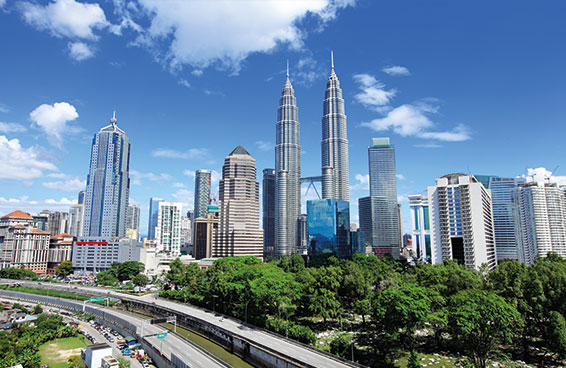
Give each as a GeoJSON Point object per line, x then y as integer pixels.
{"type": "Point", "coordinates": [473, 87]}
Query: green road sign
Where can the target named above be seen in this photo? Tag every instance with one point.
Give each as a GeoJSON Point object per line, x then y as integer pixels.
{"type": "Point", "coordinates": [92, 300]}
{"type": "Point", "coordinates": [99, 299]}
{"type": "Point", "coordinates": [162, 335]}
{"type": "Point", "coordinates": [96, 300]}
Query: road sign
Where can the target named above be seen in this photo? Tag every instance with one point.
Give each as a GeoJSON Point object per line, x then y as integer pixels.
{"type": "Point", "coordinates": [158, 320]}
{"type": "Point", "coordinates": [92, 300]}
{"type": "Point", "coordinates": [162, 335]}
{"type": "Point", "coordinates": [99, 299]}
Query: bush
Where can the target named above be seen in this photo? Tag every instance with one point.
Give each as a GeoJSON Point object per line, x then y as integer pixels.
{"type": "Point", "coordinates": [293, 330]}
{"type": "Point", "coordinates": [340, 345]}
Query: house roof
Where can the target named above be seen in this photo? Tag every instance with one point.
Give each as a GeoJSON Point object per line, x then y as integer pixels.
{"type": "Point", "coordinates": [62, 235]}
{"type": "Point", "coordinates": [37, 231]}
{"type": "Point", "coordinates": [18, 214]}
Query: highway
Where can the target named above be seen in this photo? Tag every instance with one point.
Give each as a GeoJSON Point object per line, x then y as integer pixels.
{"type": "Point", "coordinates": [282, 346]}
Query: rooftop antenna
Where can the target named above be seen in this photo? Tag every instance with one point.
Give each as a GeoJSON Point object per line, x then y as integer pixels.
{"type": "Point", "coordinates": [332, 58]}
{"type": "Point", "coordinates": [287, 68]}
{"type": "Point", "coordinates": [113, 120]}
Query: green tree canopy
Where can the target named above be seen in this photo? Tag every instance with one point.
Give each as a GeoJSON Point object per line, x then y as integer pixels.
{"type": "Point", "coordinates": [65, 268]}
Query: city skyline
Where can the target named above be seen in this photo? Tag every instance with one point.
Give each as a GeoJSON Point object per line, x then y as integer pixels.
{"type": "Point", "coordinates": [176, 130]}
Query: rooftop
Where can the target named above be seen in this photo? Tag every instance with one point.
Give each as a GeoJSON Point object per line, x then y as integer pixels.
{"type": "Point", "coordinates": [99, 346]}
{"type": "Point", "coordinates": [239, 151]}
{"type": "Point", "coordinates": [18, 214]}
{"type": "Point", "coordinates": [62, 235]}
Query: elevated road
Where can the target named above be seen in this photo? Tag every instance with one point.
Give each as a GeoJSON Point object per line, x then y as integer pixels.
{"type": "Point", "coordinates": [299, 354]}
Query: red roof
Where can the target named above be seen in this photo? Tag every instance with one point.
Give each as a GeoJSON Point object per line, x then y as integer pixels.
{"type": "Point", "coordinates": [37, 231]}
{"type": "Point", "coordinates": [62, 235]}
{"type": "Point", "coordinates": [18, 214]}
{"type": "Point", "coordinates": [18, 226]}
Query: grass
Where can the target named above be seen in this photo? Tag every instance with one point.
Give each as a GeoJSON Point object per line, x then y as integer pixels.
{"type": "Point", "coordinates": [55, 353]}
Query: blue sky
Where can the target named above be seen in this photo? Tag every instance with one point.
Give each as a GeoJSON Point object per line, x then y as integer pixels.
{"type": "Point", "coordinates": [458, 87]}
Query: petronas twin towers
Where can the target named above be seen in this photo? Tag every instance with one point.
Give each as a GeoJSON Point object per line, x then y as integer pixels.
{"type": "Point", "coordinates": [335, 170]}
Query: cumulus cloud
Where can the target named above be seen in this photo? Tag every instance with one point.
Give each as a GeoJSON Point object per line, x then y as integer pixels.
{"type": "Point", "coordinates": [459, 133]}
{"type": "Point", "coordinates": [362, 184]}
{"type": "Point", "coordinates": [65, 18]}
{"type": "Point", "coordinates": [187, 155]}
{"type": "Point", "coordinates": [189, 172]}
{"type": "Point", "coordinates": [373, 93]}
{"type": "Point", "coordinates": [4, 108]}
{"type": "Point", "coordinates": [542, 175]}
{"type": "Point", "coordinates": [19, 163]}
{"type": "Point", "coordinates": [396, 70]}
{"type": "Point", "coordinates": [80, 51]}
{"type": "Point", "coordinates": [400, 176]}
{"type": "Point", "coordinates": [70, 185]}
{"type": "Point", "coordinates": [30, 206]}
{"type": "Point", "coordinates": [138, 177]}
{"type": "Point", "coordinates": [53, 119]}
{"type": "Point", "coordinates": [186, 197]}
{"type": "Point", "coordinates": [215, 176]}
{"type": "Point", "coordinates": [178, 185]}
{"type": "Point", "coordinates": [264, 146]}
{"type": "Point", "coordinates": [185, 83]}
{"type": "Point", "coordinates": [2, 3]}
{"type": "Point", "coordinates": [62, 201]}
{"type": "Point", "coordinates": [195, 36]}
{"type": "Point", "coordinates": [11, 128]}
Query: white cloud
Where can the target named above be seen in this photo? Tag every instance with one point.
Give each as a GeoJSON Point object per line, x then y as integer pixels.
{"type": "Point", "coordinates": [396, 70]}
{"type": "Point", "coordinates": [62, 201]}
{"type": "Point", "coordinates": [187, 197]}
{"type": "Point", "coordinates": [413, 120]}
{"type": "Point", "coordinates": [402, 198]}
{"type": "Point", "coordinates": [400, 177]}
{"type": "Point", "coordinates": [138, 177]}
{"type": "Point", "coordinates": [542, 175]}
{"type": "Point", "coordinates": [178, 185]}
{"type": "Point", "coordinates": [65, 18]}
{"type": "Point", "coordinates": [58, 176]}
{"type": "Point", "coordinates": [362, 184]}
{"type": "Point", "coordinates": [187, 155]}
{"type": "Point", "coordinates": [197, 72]}
{"type": "Point", "coordinates": [428, 145]}
{"type": "Point", "coordinates": [80, 51]}
{"type": "Point", "coordinates": [373, 94]}
{"type": "Point", "coordinates": [189, 172]}
{"type": "Point", "coordinates": [264, 146]}
{"type": "Point", "coordinates": [215, 176]}
{"type": "Point", "coordinates": [4, 108]}
{"type": "Point", "coordinates": [21, 163]}
{"type": "Point", "coordinates": [11, 128]}
{"type": "Point", "coordinates": [25, 204]}
{"type": "Point", "coordinates": [53, 119]}
{"type": "Point", "coordinates": [71, 185]}
{"type": "Point", "coordinates": [223, 33]}
{"type": "Point", "coordinates": [2, 3]}
{"type": "Point", "coordinates": [185, 83]}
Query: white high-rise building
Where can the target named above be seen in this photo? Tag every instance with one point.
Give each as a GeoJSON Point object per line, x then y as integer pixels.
{"type": "Point", "coordinates": [335, 166]}
{"type": "Point", "coordinates": [461, 220]}
{"type": "Point", "coordinates": [108, 183]}
{"type": "Point", "coordinates": [420, 220]}
{"type": "Point", "coordinates": [540, 213]}
{"type": "Point", "coordinates": [57, 223]}
{"type": "Point", "coordinates": [133, 217]}
{"type": "Point", "coordinates": [168, 229]}
{"type": "Point", "coordinates": [76, 217]}
{"type": "Point", "coordinates": [238, 232]}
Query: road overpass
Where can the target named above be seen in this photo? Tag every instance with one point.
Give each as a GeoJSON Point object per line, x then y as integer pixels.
{"type": "Point", "coordinates": [257, 346]}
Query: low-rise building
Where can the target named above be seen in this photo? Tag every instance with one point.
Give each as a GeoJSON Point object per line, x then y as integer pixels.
{"type": "Point", "coordinates": [95, 353]}
{"type": "Point", "coordinates": [60, 249]}
{"type": "Point", "coordinates": [96, 254]}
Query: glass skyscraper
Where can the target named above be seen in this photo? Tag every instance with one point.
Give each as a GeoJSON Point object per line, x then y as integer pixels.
{"type": "Point", "coordinates": [329, 227]}
{"type": "Point", "coordinates": [108, 183]}
{"type": "Point", "coordinates": [268, 195]}
{"type": "Point", "coordinates": [153, 215]}
{"type": "Point", "coordinates": [202, 193]}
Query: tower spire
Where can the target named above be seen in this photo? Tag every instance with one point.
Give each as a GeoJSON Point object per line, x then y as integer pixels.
{"type": "Point", "coordinates": [113, 120]}
{"type": "Point", "coordinates": [332, 58]}
{"type": "Point", "coordinates": [287, 68]}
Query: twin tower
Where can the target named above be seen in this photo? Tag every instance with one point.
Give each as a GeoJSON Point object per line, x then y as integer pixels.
{"type": "Point", "coordinates": [335, 170]}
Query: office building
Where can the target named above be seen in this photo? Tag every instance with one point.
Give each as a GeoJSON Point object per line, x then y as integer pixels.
{"type": "Point", "coordinates": [303, 234]}
{"type": "Point", "coordinates": [21, 244]}
{"type": "Point", "coordinates": [364, 214]}
{"type": "Point", "coordinates": [238, 231]}
{"type": "Point", "coordinates": [268, 196]}
{"type": "Point", "coordinates": [168, 229]}
{"type": "Point", "coordinates": [108, 183]}
{"type": "Point", "coordinates": [96, 254]}
{"type": "Point", "coordinates": [420, 221]}
{"type": "Point", "coordinates": [153, 214]}
{"type": "Point", "coordinates": [60, 249]}
{"type": "Point", "coordinates": [287, 173]}
{"type": "Point", "coordinates": [461, 221]}
{"type": "Point", "coordinates": [58, 223]}
{"type": "Point", "coordinates": [358, 241]}
{"type": "Point", "coordinates": [81, 197]}
{"type": "Point", "coordinates": [76, 218]}
{"type": "Point", "coordinates": [329, 227]}
{"type": "Point", "coordinates": [540, 215]}
{"type": "Point", "coordinates": [133, 217]}
{"type": "Point", "coordinates": [205, 230]}
{"type": "Point", "coordinates": [202, 192]}
{"type": "Point", "coordinates": [40, 220]}
{"type": "Point", "coordinates": [506, 241]}
{"type": "Point", "coordinates": [335, 169]}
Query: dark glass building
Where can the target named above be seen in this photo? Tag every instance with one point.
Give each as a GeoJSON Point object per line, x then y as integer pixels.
{"type": "Point", "coordinates": [329, 227]}
{"type": "Point", "coordinates": [268, 195]}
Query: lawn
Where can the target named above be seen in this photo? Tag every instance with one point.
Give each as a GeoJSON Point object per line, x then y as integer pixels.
{"type": "Point", "coordinates": [55, 353]}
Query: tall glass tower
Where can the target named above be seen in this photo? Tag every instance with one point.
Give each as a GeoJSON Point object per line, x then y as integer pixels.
{"type": "Point", "coordinates": [287, 173]}
{"type": "Point", "coordinates": [335, 170]}
{"type": "Point", "coordinates": [202, 193]}
{"type": "Point", "coordinates": [108, 183]}
{"type": "Point", "coordinates": [268, 195]}
{"type": "Point", "coordinates": [153, 215]}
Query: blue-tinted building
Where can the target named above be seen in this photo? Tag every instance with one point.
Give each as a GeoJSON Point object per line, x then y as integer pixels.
{"type": "Point", "coordinates": [358, 241]}
{"type": "Point", "coordinates": [329, 227]}
{"type": "Point", "coordinates": [153, 215]}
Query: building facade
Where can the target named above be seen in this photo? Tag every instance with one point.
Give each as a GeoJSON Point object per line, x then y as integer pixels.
{"type": "Point", "coordinates": [461, 219]}
{"type": "Point", "coordinates": [420, 221]}
{"type": "Point", "coordinates": [21, 244]}
{"type": "Point", "coordinates": [329, 227]}
{"type": "Point", "coordinates": [540, 215]}
{"type": "Point", "coordinates": [168, 229]}
{"type": "Point", "coordinates": [76, 219]}
{"type": "Point", "coordinates": [238, 231]}
{"type": "Point", "coordinates": [96, 254]}
{"type": "Point", "coordinates": [202, 192]}
{"type": "Point", "coordinates": [364, 215]}
{"type": "Point", "coordinates": [133, 217]}
{"type": "Point", "coordinates": [334, 145]}
{"type": "Point", "coordinates": [108, 183]}
{"type": "Point", "coordinates": [205, 230]}
{"type": "Point", "coordinates": [287, 173]}
{"type": "Point", "coordinates": [153, 215]}
{"type": "Point", "coordinates": [268, 199]}
{"type": "Point", "coordinates": [58, 223]}
{"type": "Point", "coordinates": [60, 250]}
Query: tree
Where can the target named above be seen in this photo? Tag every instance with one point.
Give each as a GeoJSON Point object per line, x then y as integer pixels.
{"type": "Point", "coordinates": [176, 273]}
{"type": "Point", "coordinates": [322, 292]}
{"type": "Point", "coordinates": [129, 269]}
{"type": "Point", "coordinates": [341, 345]}
{"type": "Point", "coordinates": [37, 309]}
{"type": "Point", "coordinates": [106, 278]}
{"type": "Point", "coordinates": [65, 268]}
{"type": "Point", "coordinates": [140, 280]}
{"type": "Point", "coordinates": [124, 363]}
{"type": "Point", "coordinates": [479, 322]}
{"type": "Point", "coordinates": [75, 361]}
{"type": "Point", "coordinates": [20, 307]}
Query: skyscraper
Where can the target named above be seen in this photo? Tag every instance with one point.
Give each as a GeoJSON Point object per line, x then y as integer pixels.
{"type": "Point", "coordinates": [329, 227]}
{"type": "Point", "coordinates": [108, 183]}
{"type": "Point", "coordinates": [153, 214]}
{"type": "Point", "coordinates": [385, 235]}
{"type": "Point", "coordinates": [268, 195]}
{"type": "Point", "coordinates": [133, 217]}
{"type": "Point", "coordinates": [287, 173]}
{"type": "Point", "coordinates": [335, 169]}
{"type": "Point", "coordinates": [168, 229]}
{"type": "Point", "coordinates": [58, 223]}
{"type": "Point", "coordinates": [202, 193]}
{"type": "Point", "coordinates": [420, 219]}
{"type": "Point", "coordinates": [461, 221]}
{"type": "Point", "coordinates": [81, 198]}
{"type": "Point", "coordinates": [76, 220]}
{"type": "Point", "coordinates": [238, 231]}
